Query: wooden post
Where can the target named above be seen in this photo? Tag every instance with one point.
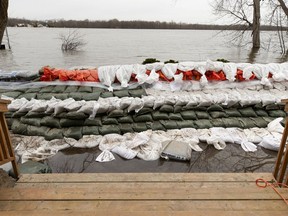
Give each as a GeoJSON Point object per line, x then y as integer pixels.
{"type": "Point", "coordinates": [282, 159]}
{"type": "Point", "coordinates": [6, 150]}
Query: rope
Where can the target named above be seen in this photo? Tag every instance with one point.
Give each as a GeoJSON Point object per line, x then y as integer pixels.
{"type": "Point", "coordinates": [274, 185]}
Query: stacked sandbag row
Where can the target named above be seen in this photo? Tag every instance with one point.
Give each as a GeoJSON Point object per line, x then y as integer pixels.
{"type": "Point", "coordinates": [63, 92]}
{"type": "Point", "coordinates": [75, 124]}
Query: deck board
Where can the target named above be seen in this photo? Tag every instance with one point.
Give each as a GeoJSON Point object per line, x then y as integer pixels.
{"type": "Point", "coordinates": [142, 194]}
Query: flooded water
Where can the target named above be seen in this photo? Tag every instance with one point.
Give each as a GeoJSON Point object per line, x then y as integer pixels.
{"type": "Point", "coordinates": [33, 48]}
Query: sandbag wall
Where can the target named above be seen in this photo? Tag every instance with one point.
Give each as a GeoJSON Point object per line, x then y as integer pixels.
{"type": "Point", "coordinates": [75, 124]}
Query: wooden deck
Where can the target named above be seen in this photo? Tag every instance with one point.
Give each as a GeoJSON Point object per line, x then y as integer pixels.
{"type": "Point", "coordinates": [142, 194]}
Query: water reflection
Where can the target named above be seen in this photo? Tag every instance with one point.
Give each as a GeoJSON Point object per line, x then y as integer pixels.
{"type": "Point", "coordinates": [252, 56]}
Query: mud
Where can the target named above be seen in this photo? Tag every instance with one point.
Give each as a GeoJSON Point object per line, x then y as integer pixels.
{"type": "Point", "coordinates": [231, 159]}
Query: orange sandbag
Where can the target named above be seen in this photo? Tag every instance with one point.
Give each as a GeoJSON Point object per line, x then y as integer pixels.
{"type": "Point", "coordinates": [213, 75]}
{"type": "Point", "coordinates": [239, 76]}
{"type": "Point", "coordinates": [93, 77]}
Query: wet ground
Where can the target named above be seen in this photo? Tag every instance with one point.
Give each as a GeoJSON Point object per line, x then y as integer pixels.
{"type": "Point", "coordinates": [232, 159]}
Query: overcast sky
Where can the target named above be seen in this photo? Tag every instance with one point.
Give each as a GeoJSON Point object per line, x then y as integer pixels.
{"type": "Point", "coordinates": [189, 11]}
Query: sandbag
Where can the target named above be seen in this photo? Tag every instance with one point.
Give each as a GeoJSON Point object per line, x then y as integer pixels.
{"type": "Point", "coordinates": [202, 115]}
{"type": "Point", "coordinates": [31, 121]}
{"type": "Point", "coordinates": [109, 129]}
{"type": "Point", "coordinates": [166, 108]}
{"type": "Point", "coordinates": [109, 121]}
{"type": "Point", "coordinates": [59, 89]}
{"type": "Point", "coordinates": [126, 128]}
{"type": "Point", "coordinates": [54, 133]}
{"type": "Point", "coordinates": [71, 122]}
{"type": "Point", "coordinates": [160, 116]}
{"type": "Point", "coordinates": [87, 89]}
{"type": "Point", "coordinates": [90, 130]}
{"type": "Point", "coordinates": [73, 132]}
{"type": "Point", "coordinates": [121, 93]}
{"type": "Point", "coordinates": [232, 113]}
{"type": "Point", "coordinates": [139, 127]}
{"type": "Point", "coordinates": [93, 122]}
{"type": "Point", "coordinates": [157, 126]}
{"type": "Point", "coordinates": [169, 124]}
{"type": "Point", "coordinates": [143, 118]}
{"type": "Point", "coordinates": [261, 113]}
{"type": "Point", "coordinates": [203, 124]}
{"type": "Point", "coordinates": [91, 96]}
{"type": "Point", "coordinates": [116, 113]}
{"type": "Point", "coordinates": [71, 89]}
{"type": "Point", "coordinates": [139, 92]}
{"type": "Point", "coordinates": [188, 115]}
{"type": "Point", "coordinates": [277, 113]}
{"type": "Point", "coordinates": [218, 114]}
{"type": "Point", "coordinates": [125, 119]}
{"type": "Point", "coordinates": [218, 122]}
{"type": "Point", "coordinates": [215, 107]}
{"type": "Point", "coordinates": [18, 128]}
{"type": "Point", "coordinates": [76, 115]}
{"type": "Point", "coordinates": [50, 121]}
{"type": "Point", "coordinates": [175, 116]}
{"type": "Point", "coordinates": [247, 112]}
{"type": "Point", "coordinates": [186, 124]}
{"type": "Point", "coordinates": [61, 96]}
{"type": "Point", "coordinates": [246, 123]}
{"type": "Point", "coordinates": [37, 131]}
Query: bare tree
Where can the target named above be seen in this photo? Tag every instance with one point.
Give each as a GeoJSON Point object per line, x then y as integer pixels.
{"type": "Point", "coordinates": [72, 41]}
{"type": "Point", "coordinates": [3, 17]}
{"type": "Point", "coordinates": [243, 12]}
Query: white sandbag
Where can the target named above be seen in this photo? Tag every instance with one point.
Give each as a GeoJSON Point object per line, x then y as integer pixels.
{"type": "Point", "coordinates": [105, 156]}
{"type": "Point", "coordinates": [148, 101]}
{"type": "Point", "coordinates": [152, 78]}
{"type": "Point", "coordinates": [230, 70]}
{"type": "Point", "coordinates": [221, 133]}
{"type": "Point", "coordinates": [60, 107]}
{"type": "Point", "coordinates": [41, 106]}
{"type": "Point", "coordinates": [123, 74]}
{"type": "Point", "coordinates": [107, 75]}
{"type": "Point", "coordinates": [136, 105]}
{"type": "Point", "coordinates": [217, 142]}
{"type": "Point", "coordinates": [275, 126]}
{"type": "Point", "coordinates": [270, 142]}
{"type": "Point", "coordinates": [154, 66]}
{"type": "Point", "coordinates": [169, 70]}
{"type": "Point", "coordinates": [109, 141]}
{"type": "Point", "coordinates": [15, 105]}
{"type": "Point", "coordinates": [52, 104]}
{"type": "Point", "coordinates": [104, 105]}
{"type": "Point", "coordinates": [90, 141]}
{"type": "Point", "coordinates": [214, 66]}
{"type": "Point", "coordinates": [124, 152]}
{"type": "Point", "coordinates": [125, 102]}
{"type": "Point", "coordinates": [75, 105]}
{"type": "Point", "coordinates": [87, 108]}
{"type": "Point", "coordinates": [151, 150]}
{"type": "Point", "coordinates": [186, 66]}
{"type": "Point", "coordinates": [28, 106]}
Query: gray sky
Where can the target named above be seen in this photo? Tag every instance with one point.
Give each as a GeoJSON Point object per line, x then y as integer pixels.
{"type": "Point", "coordinates": [190, 11]}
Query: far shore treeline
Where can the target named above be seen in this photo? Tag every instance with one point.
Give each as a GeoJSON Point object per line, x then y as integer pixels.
{"type": "Point", "coordinates": [135, 24]}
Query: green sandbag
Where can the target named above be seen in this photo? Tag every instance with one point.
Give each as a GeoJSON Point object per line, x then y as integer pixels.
{"type": "Point", "coordinates": [71, 122]}
{"type": "Point", "coordinates": [260, 122]}
{"type": "Point", "coordinates": [54, 133]}
{"type": "Point", "coordinates": [169, 124]}
{"type": "Point", "coordinates": [33, 90]}
{"type": "Point", "coordinates": [71, 89]}
{"type": "Point", "coordinates": [232, 113]}
{"type": "Point", "coordinates": [202, 115]}
{"type": "Point", "coordinates": [258, 106]}
{"type": "Point", "coordinates": [9, 122]}
{"type": "Point", "coordinates": [91, 96]}
{"type": "Point", "coordinates": [12, 94]}
{"type": "Point", "coordinates": [188, 115]}
{"type": "Point", "coordinates": [31, 121]}
{"type": "Point", "coordinates": [157, 126]}
{"type": "Point", "coordinates": [61, 96]}
{"type": "Point", "coordinates": [109, 121]}
{"type": "Point", "coordinates": [28, 96]}
{"type": "Point", "coordinates": [90, 130]}
{"type": "Point", "coordinates": [277, 113]}
{"type": "Point", "coordinates": [139, 92]}
{"type": "Point", "coordinates": [73, 132]}
{"type": "Point", "coordinates": [215, 107]}
{"type": "Point", "coordinates": [75, 95]}
{"type": "Point", "coordinates": [272, 107]}
{"type": "Point", "coordinates": [218, 122]}
{"type": "Point", "coordinates": [31, 114]}
{"type": "Point", "coordinates": [178, 109]}
{"type": "Point", "coordinates": [126, 128]}
{"type": "Point", "coordinates": [47, 89]}
{"type": "Point", "coordinates": [37, 131]}
{"type": "Point", "coordinates": [97, 90]}
{"type": "Point", "coordinates": [218, 114]}
{"type": "Point", "coordinates": [109, 129]}
{"type": "Point", "coordinates": [175, 116]}
{"type": "Point", "coordinates": [166, 108]}
{"type": "Point", "coordinates": [261, 113]}
{"type": "Point", "coordinates": [144, 110]}
{"type": "Point", "coordinates": [18, 128]}
{"type": "Point", "coordinates": [18, 114]}
{"type": "Point", "coordinates": [51, 122]}
{"type": "Point", "coordinates": [86, 89]}
{"type": "Point", "coordinates": [116, 113]}
{"type": "Point", "coordinates": [106, 94]}
{"type": "Point", "coordinates": [45, 96]}
{"type": "Point", "coordinates": [76, 115]}
{"type": "Point", "coordinates": [8, 114]}
{"type": "Point", "coordinates": [231, 122]}
{"type": "Point", "coordinates": [186, 124]}
{"type": "Point", "coordinates": [246, 123]}
{"type": "Point", "coordinates": [203, 124]}
{"type": "Point", "coordinates": [247, 112]}
{"type": "Point", "coordinates": [139, 127]}
{"type": "Point", "coordinates": [93, 122]}
{"type": "Point", "coordinates": [125, 119]}
{"type": "Point", "coordinates": [160, 116]}
{"type": "Point", "coordinates": [121, 93]}
{"type": "Point", "coordinates": [143, 118]}
{"type": "Point", "coordinates": [59, 89]}
{"type": "Point", "coordinates": [268, 119]}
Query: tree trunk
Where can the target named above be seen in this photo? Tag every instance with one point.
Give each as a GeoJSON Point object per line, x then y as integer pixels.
{"type": "Point", "coordinates": [3, 17]}
{"type": "Point", "coordinates": [256, 24]}
{"type": "Point", "coordinates": [283, 6]}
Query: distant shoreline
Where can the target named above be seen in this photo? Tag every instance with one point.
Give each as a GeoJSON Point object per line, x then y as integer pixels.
{"type": "Point", "coordinates": [135, 24]}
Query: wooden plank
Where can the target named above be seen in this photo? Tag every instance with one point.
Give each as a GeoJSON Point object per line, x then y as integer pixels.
{"type": "Point", "coordinates": [146, 213]}
{"type": "Point", "coordinates": [144, 177]}
{"type": "Point", "coordinates": [140, 194]}
{"type": "Point", "coordinates": [82, 206]}
{"type": "Point", "coordinates": [139, 185]}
